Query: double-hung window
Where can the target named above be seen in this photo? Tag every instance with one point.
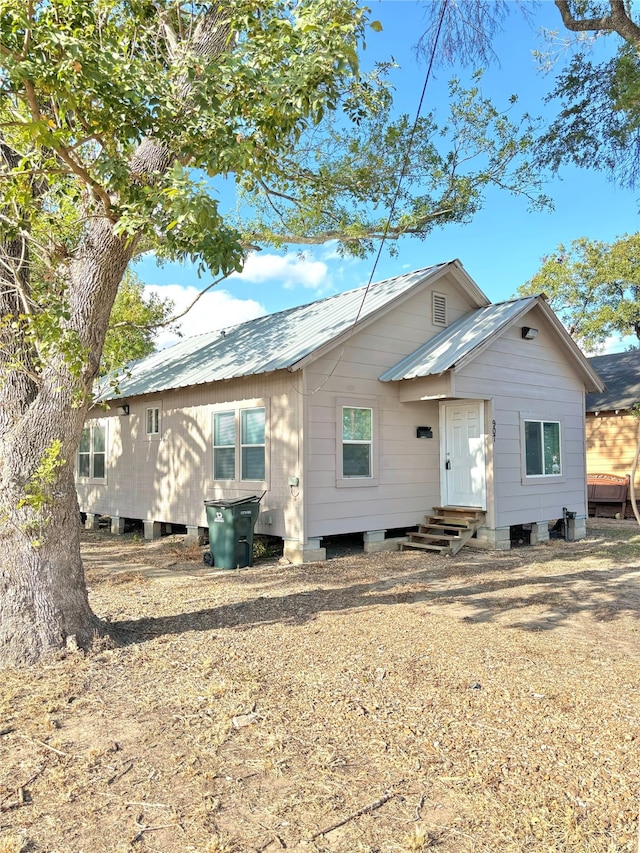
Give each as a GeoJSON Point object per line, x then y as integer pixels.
{"type": "Point", "coordinates": [153, 421]}
{"type": "Point", "coordinates": [239, 445]}
{"type": "Point", "coordinates": [357, 442]}
{"type": "Point", "coordinates": [252, 455]}
{"type": "Point", "coordinates": [224, 446]}
{"type": "Point", "coordinates": [542, 448]}
{"type": "Point", "coordinates": [92, 452]}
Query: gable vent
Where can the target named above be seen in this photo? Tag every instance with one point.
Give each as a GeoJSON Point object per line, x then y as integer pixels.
{"type": "Point", "coordinates": [439, 309]}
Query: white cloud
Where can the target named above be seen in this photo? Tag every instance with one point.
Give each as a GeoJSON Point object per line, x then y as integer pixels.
{"type": "Point", "coordinates": [215, 310]}
{"type": "Point", "coordinates": [290, 271]}
{"type": "Point", "coordinates": [330, 252]}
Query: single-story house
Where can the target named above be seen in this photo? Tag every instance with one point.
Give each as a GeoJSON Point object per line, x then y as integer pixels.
{"type": "Point", "coordinates": [612, 429]}
{"type": "Point", "coordinates": [359, 413]}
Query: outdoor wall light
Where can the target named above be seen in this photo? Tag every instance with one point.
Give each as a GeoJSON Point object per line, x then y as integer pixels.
{"type": "Point", "coordinates": [528, 333]}
{"type": "Point", "coordinates": [123, 410]}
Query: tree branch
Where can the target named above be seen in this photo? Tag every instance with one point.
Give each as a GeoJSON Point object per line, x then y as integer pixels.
{"type": "Point", "coordinates": [270, 192]}
{"type": "Point", "coordinates": [97, 189]}
{"type": "Point", "coordinates": [393, 232]}
{"type": "Point", "coordinates": [27, 32]}
{"type": "Point", "coordinates": [33, 102]}
{"type": "Point", "coordinates": [618, 21]}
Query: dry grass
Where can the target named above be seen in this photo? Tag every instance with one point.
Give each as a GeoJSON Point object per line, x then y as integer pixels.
{"type": "Point", "coordinates": [391, 703]}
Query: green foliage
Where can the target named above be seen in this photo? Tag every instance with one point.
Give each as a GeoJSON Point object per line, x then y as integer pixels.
{"type": "Point", "coordinates": [634, 411]}
{"type": "Point", "coordinates": [37, 492]}
{"type": "Point", "coordinates": [98, 77]}
{"type": "Point", "coordinates": [594, 287]}
{"type": "Point", "coordinates": [266, 547]}
{"type": "Point", "coordinates": [134, 322]}
{"type": "Point", "coordinates": [123, 112]}
{"type": "Point", "coordinates": [119, 111]}
{"type": "Point", "coordinates": [343, 184]}
{"type": "Point", "coordinates": [45, 336]}
{"type": "Point", "coordinates": [598, 125]}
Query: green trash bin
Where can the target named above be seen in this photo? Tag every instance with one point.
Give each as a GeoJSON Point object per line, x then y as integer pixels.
{"type": "Point", "coordinates": [231, 524]}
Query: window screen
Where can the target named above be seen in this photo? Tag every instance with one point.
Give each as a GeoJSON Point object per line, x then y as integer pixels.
{"type": "Point", "coordinates": [542, 448]}
{"type": "Point", "coordinates": [224, 446]}
{"type": "Point", "coordinates": [92, 452]}
{"type": "Point", "coordinates": [153, 421]}
{"type": "Point", "coordinates": [252, 444]}
{"type": "Point", "coordinates": [356, 442]}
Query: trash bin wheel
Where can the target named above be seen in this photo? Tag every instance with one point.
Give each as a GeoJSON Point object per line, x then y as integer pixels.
{"type": "Point", "coordinates": [208, 558]}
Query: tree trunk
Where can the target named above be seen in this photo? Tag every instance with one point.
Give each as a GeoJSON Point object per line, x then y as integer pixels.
{"type": "Point", "coordinates": [43, 596]}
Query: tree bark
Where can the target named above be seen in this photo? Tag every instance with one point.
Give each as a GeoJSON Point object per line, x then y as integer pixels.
{"type": "Point", "coordinates": [43, 594]}
{"type": "Point", "coordinates": [617, 21]}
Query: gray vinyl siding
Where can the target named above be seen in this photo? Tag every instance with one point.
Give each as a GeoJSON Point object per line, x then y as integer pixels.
{"type": "Point", "coordinates": [168, 477]}
{"type": "Point", "coordinates": [407, 478]}
{"type": "Point", "coordinates": [536, 379]}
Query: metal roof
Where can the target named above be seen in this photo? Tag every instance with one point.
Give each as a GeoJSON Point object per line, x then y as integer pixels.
{"type": "Point", "coordinates": [275, 342]}
{"type": "Point", "coordinates": [620, 372]}
{"type": "Point", "coordinates": [458, 340]}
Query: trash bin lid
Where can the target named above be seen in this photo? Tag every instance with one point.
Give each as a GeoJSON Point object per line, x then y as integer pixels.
{"type": "Point", "coordinates": [228, 502]}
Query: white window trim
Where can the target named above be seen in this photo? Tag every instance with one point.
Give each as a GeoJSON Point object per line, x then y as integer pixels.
{"type": "Point", "coordinates": [540, 479]}
{"type": "Point", "coordinates": [104, 423]}
{"type": "Point", "coordinates": [237, 407]}
{"type": "Point", "coordinates": [343, 482]}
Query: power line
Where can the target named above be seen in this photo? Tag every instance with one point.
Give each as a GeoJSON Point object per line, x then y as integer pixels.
{"type": "Point", "coordinates": [403, 171]}
{"type": "Point", "coordinates": [405, 163]}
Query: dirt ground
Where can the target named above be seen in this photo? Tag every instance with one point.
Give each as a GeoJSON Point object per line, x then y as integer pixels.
{"type": "Point", "coordinates": [373, 703]}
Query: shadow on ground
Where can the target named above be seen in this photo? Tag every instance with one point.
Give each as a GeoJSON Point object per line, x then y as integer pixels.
{"type": "Point", "coordinates": [528, 600]}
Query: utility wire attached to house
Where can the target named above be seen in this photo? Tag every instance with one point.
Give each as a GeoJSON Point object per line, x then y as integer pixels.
{"type": "Point", "coordinates": [403, 171]}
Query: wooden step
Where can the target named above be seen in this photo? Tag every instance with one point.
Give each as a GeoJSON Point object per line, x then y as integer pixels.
{"type": "Point", "coordinates": [461, 509]}
{"type": "Point", "coordinates": [443, 524]}
{"type": "Point", "coordinates": [459, 516]}
{"type": "Point", "coordinates": [424, 546]}
{"type": "Point", "coordinates": [454, 512]}
{"type": "Point", "coordinates": [450, 526]}
{"type": "Point", "coordinates": [425, 534]}
{"type": "Point", "coordinates": [454, 520]}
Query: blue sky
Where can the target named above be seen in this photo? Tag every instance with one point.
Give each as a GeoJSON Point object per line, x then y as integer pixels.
{"type": "Point", "coordinates": [501, 248]}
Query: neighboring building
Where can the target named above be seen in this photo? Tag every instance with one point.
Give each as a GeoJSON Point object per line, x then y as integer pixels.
{"type": "Point", "coordinates": [612, 430]}
{"type": "Point", "coordinates": [359, 413]}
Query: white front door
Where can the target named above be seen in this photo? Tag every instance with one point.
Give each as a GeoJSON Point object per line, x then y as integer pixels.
{"type": "Point", "coordinates": [464, 455]}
